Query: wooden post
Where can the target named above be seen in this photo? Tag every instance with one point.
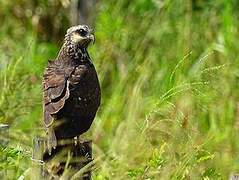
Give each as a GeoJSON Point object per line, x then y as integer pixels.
{"type": "Point", "coordinates": [70, 159]}
{"type": "Point", "coordinates": [37, 157]}
{"type": "Point", "coordinates": [4, 134]}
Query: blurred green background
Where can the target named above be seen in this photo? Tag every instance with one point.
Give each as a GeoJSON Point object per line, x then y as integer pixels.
{"type": "Point", "coordinates": [169, 72]}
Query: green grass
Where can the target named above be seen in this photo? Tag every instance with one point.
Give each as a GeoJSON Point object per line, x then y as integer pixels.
{"type": "Point", "coordinates": [170, 91]}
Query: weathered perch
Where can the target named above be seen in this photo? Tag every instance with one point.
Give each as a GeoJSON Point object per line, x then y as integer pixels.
{"type": "Point", "coordinates": [68, 159]}
{"type": "Point", "coordinates": [4, 134]}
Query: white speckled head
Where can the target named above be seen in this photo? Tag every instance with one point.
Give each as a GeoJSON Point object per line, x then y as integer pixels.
{"type": "Point", "coordinates": [80, 35]}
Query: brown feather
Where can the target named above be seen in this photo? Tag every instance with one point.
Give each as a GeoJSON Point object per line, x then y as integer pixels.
{"type": "Point", "coordinates": [71, 91]}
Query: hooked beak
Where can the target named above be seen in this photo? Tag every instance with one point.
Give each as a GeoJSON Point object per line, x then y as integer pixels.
{"type": "Point", "coordinates": [92, 38]}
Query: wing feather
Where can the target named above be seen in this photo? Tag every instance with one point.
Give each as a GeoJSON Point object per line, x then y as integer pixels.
{"type": "Point", "coordinates": [55, 90]}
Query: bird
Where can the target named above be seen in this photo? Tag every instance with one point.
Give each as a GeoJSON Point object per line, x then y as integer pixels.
{"type": "Point", "coordinates": [71, 88]}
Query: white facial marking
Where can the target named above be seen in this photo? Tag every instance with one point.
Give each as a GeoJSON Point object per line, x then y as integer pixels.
{"type": "Point", "coordinates": [76, 38]}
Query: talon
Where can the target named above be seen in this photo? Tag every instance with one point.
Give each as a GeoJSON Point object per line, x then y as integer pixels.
{"type": "Point", "coordinates": [87, 155]}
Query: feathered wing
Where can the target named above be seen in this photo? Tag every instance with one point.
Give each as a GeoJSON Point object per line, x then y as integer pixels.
{"type": "Point", "coordinates": [55, 90]}
{"type": "Point", "coordinates": [55, 93]}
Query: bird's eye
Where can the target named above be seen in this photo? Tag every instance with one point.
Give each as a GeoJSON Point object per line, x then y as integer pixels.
{"type": "Point", "coordinates": [82, 32]}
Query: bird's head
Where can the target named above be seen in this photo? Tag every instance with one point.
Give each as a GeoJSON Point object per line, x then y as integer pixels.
{"type": "Point", "coordinates": [80, 35]}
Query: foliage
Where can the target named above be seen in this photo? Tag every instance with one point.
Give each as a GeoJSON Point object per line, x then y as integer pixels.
{"type": "Point", "coordinates": [169, 77]}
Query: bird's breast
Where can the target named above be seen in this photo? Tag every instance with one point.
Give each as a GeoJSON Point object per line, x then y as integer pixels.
{"type": "Point", "coordinates": [84, 90]}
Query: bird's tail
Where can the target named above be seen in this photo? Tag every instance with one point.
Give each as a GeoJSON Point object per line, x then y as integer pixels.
{"type": "Point", "coordinates": [51, 139]}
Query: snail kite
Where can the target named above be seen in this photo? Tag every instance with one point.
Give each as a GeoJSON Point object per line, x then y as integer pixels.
{"type": "Point", "coordinates": [71, 88]}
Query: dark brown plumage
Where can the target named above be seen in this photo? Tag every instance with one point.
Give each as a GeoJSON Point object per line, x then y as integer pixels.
{"type": "Point", "coordinates": [71, 88]}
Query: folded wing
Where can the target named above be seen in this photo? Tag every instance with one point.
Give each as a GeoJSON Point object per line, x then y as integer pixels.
{"type": "Point", "coordinates": [55, 91]}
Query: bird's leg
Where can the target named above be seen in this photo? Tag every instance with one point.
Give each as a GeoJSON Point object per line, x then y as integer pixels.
{"type": "Point", "coordinates": [75, 140]}
{"type": "Point", "coordinates": [80, 139]}
{"type": "Point", "coordinates": [51, 140]}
